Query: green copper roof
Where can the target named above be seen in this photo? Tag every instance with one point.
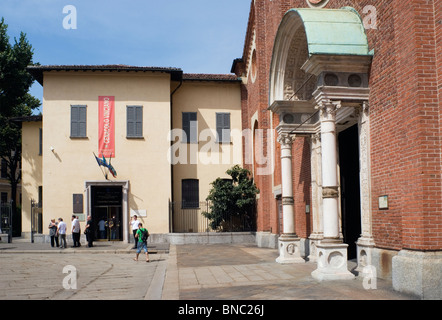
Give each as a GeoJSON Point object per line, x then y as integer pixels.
{"type": "Point", "coordinates": [333, 31]}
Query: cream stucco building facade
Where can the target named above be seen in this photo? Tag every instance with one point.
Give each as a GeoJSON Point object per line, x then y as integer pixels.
{"type": "Point", "coordinates": [152, 112]}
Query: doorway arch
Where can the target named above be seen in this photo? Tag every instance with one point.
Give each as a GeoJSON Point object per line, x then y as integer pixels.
{"type": "Point", "coordinates": [317, 55]}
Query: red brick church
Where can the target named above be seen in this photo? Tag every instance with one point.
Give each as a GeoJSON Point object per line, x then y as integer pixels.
{"type": "Point", "coordinates": [344, 101]}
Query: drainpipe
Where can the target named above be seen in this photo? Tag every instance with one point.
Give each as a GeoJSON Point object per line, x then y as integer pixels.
{"type": "Point", "coordinates": [171, 166]}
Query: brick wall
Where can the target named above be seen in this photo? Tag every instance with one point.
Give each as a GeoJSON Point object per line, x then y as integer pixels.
{"type": "Point", "coordinates": [405, 115]}
{"type": "Point", "coordinates": [438, 34]}
{"type": "Point", "coordinates": [302, 185]}
{"type": "Point", "coordinates": [419, 127]}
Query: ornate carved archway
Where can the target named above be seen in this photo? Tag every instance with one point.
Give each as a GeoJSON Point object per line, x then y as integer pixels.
{"type": "Point", "coordinates": [318, 80]}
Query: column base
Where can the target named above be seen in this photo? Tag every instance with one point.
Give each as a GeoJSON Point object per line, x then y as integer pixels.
{"type": "Point", "coordinates": [365, 247]}
{"type": "Point", "coordinates": [314, 240]}
{"type": "Point", "coordinates": [289, 249]}
{"type": "Point", "coordinates": [332, 262]}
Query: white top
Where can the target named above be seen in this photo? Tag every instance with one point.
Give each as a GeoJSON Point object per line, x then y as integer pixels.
{"type": "Point", "coordinates": [134, 224]}
{"type": "Point", "coordinates": [75, 226]}
{"type": "Point", "coordinates": [62, 227]}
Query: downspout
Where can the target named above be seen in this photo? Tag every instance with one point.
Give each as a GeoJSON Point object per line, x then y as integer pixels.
{"type": "Point", "coordinates": [171, 165]}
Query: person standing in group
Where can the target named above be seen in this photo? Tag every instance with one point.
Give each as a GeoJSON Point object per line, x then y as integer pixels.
{"type": "Point", "coordinates": [88, 231]}
{"type": "Point", "coordinates": [142, 235]}
{"type": "Point", "coordinates": [135, 225]}
{"type": "Point", "coordinates": [53, 232]}
{"type": "Point", "coordinates": [62, 232]}
{"type": "Point", "coordinates": [102, 228]}
{"type": "Point", "coordinates": [76, 231]}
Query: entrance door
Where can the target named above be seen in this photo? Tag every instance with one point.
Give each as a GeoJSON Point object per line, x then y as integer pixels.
{"type": "Point", "coordinates": [350, 188]}
{"type": "Point", "coordinates": [107, 215]}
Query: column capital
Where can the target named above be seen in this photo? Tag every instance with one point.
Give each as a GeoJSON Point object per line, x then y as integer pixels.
{"type": "Point", "coordinates": [316, 137]}
{"type": "Point", "coordinates": [363, 111]}
{"type": "Point", "coordinates": [285, 138]}
{"type": "Point", "coordinates": [328, 108]}
{"type": "Point", "coordinates": [365, 107]}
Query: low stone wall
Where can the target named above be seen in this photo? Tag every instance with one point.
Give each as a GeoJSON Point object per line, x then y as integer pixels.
{"type": "Point", "coordinates": [261, 239]}
{"type": "Point", "coordinates": [267, 240]}
{"type": "Point", "coordinates": [204, 238]}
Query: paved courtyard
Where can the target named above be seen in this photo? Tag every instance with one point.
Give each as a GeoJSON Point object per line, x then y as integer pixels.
{"type": "Point", "coordinates": [99, 276]}
{"type": "Point", "coordinates": [241, 272]}
{"type": "Point", "coordinates": [187, 272]}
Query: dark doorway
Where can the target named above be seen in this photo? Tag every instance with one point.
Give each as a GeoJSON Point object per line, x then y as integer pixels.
{"type": "Point", "coordinates": [107, 213]}
{"type": "Point", "coordinates": [350, 188]}
{"type": "Point", "coordinates": [280, 215]}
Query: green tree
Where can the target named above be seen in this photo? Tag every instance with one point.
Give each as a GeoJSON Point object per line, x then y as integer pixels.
{"type": "Point", "coordinates": [232, 201]}
{"type": "Point", "coordinates": [15, 101]}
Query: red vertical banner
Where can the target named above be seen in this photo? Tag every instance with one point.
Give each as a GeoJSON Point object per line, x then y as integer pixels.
{"type": "Point", "coordinates": [106, 126]}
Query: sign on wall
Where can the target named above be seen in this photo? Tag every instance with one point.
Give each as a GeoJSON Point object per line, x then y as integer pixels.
{"type": "Point", "coordinates": [106, 126]}
{"type": "Point", "coordinates": [78, 203]}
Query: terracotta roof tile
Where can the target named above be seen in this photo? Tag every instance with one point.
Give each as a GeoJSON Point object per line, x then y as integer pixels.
{"type": "Point", "coordinates": [209, 77]}
{"type": "Point", "coordinates": [37, 71]}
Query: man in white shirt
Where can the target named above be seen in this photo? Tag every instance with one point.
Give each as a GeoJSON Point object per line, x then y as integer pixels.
{"type": "Point", "coordinates": [62, 232]}
{"type": "Point", "coordinates": [76, 231]}
{"type": "Point", "coordinates": [135, 224]}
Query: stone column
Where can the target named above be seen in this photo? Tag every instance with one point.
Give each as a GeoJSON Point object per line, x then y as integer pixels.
{"type": "Point", "coordinates": [289, 242]}
{"type": "Point", "coordinates": [332, 253]}
{"type": "Point", "coordinates": [316, 209]}
{"type": "Point", "coordinates": [330, 195]}
{"type": "Point", "coordinates": [365, 243]}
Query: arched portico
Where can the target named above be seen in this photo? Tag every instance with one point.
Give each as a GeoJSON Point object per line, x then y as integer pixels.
{"type": "Point", "coordinates": [318, 84]}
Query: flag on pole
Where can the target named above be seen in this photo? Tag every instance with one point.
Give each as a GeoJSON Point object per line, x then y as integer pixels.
{"type": "Point", "coordinates": [103, 163]}
{"type": "Point", "coordinates": [100, 162]}
{"type": "Point", "coordinates": [112, 170]}
{"type": "Point", "coordinates": [110, 167]}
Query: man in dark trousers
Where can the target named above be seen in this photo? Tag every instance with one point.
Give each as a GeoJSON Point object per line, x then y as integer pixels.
{"type": "Point", "coordinates": [135, 225]}
{"type": "Point", "coordinates": [89, 232]}
{"type": "Point", "coordinates": [75, 231]}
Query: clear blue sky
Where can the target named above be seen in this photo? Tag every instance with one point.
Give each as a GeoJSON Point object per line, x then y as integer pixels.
{"type": "Point", "coordinates": [198, 36]}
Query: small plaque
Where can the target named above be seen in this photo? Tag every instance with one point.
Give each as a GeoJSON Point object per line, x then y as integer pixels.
{"type": "Point", "coordinates": [78, 203]}
{"type": "Point", "coordinates": [81, 217]}
{"type": "Point", "coordinates": [383, 202]}
{"type": "Point", "coordinates": [138, 213]}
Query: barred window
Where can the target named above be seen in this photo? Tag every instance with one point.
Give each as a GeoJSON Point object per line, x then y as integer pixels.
{"type": "Point", "coordinates": [190, 193]}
